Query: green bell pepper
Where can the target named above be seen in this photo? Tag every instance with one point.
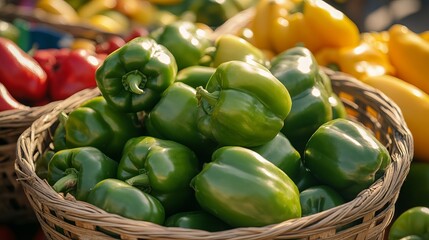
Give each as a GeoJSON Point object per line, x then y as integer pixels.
{"type": "Point", "coordinates": [161, 168]}
{"type": "Point", "coordinates": [59, 137]}
{"type": "Point", "coordinates": [96, 123]}
{"type": "Point", "coordinates": [174, 118]}
{"type": "Point", "coordinates": [319, 198]}
{"type": "Point", "coordinates": [118, 197]}
{"type": "Point", "coordinates": [243, 189]}
{"type": "Point", "coordinates": [229, 47]}
{"type": "Point", "coordinates": [337, 106]}
{"type": "Point", "coordinates": [42, 164]}
{"type": "Point", "coordinates": [242, 104]}
{"type": "Point", "coordinates": [77, 170]}
{"type": "Point", "coordinates": [281, 153]}
{"type": "Point", "coordinates": [214, 13]}
{"type": "Point", "coordinates": [415, 190]}
{"type": "Point", "coordinates": [195, 76]}
{"type": "Point", "coordinates": [346, 156]}
{"type": "Point", "coordinates": [298, 70]}
{"type": "Point", "coordinates": [305, 179]}
{"type": "Point", "coordinates": [413, 224]}
{"type": "Point", "coordinates": [197, 219]}
{"type": "Point", "coordinates": [133, 77]}
{"type": "Point", "coordinates": [185, 40]}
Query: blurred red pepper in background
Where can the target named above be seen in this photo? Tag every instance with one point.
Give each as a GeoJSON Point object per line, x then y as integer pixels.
{"type": "Point", "coordinates": [21, 74]}
{"type": "Point", "coordinates": [7, 102]}
{"type": "Point", "coordinates": [114, 42]}
{"type": "Point", "coordinates": [68, 70]}
{"type": "Point", "coordinates": [110, 45]}
{"type": "Point", "coordinates": [6, 233]}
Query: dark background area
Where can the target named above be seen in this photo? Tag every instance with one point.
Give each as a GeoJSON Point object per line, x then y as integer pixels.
{"type": "Point", "coordinates": [379, 15]}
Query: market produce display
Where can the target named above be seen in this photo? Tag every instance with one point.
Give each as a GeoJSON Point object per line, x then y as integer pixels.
{"type": "Point", "coordinates": [199, 129]}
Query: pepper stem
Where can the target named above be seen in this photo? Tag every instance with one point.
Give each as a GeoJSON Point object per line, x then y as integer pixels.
{"type": "Point", "coordinates": [139, 181]}
{"type": "Point", "coordinates": [211, 98]}
{"type": "Point", "coordinates": [67, 182]}
{"type": "Point", "coordinates": [133, 80]}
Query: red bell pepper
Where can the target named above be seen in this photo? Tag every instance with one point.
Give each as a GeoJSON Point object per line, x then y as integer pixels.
{"type": "Point", "coordinates": [7, 102]}
{"type": "Point", "coordinates": [110, 45]}
{"type": "Point", "coordinates": [68, 70]}
{"type": "Point", "coordinates": [21, 74]}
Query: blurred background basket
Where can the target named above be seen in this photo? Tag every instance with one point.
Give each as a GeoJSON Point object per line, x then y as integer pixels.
{"type": "Point", "coordinates": [371, 211]}
{"type": "Point", "coordinates": [13, 202]}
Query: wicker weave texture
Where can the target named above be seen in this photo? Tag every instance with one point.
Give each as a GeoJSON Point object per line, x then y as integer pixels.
{"type": "Point", "coordinates": [365, 217]}
{"type": "Point", "coordinates": [14, 205]}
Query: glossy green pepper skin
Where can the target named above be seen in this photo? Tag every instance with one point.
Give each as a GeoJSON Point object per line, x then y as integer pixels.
{"type": "Point", "coordinates": [346, 156]}
{"type": "Point", "coordinates": [337, 106]}
{"type": "Point", "coordinates": [59, 138]}
{"type": "Point", "coordinates": [174, 118]}
{"type": "Point", "coordinates": [298, 70]}
{"type": "Point", "coordinates": [415, 190]}
{"type": "Point", "coordinates": [305, 179]}
{"type": "Point", "coordinates": [318, 199]}
{"type": "Point", "coordinates": [77, 170]}
{"type": "Point", "coordinates": [42, 164]}
{"type": "Point", "coordinates": [133, 77]}
{"type": "Point", "coordinates": [243, 189]}
{"type": "Point", "coordinates": [281, 153]}
{"type": "Point", "coordinates": [118, 197]}
{"type": "Point", "coordinates": [197, 219]}
{"type": "Point", "coordinates": [185, 40]}
{"type": "Point", "coordinates": [195, 76]}
{"type": "Point", "coordinates": [214, 13]}
{"type": "Point", "coordinates": [413, 224]}
{"type": "Point", "coordinates": [161, 168]}
{"type": "Point", "coordinates": [228, 47]}
{"type": "Point", "coordinates": [96, 123]}
{"type": "Point", "coordinates": [242, 105]}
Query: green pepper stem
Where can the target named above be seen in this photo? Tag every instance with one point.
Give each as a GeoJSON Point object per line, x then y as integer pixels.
{"type": "Point", "coordinates": [211, 98]}
{"type": "Point", "coordinates": [132, 81]}
{"type": "Point", "coordinates": [141, 180]}
{"type": "Point", "coordinates": [67, 182]}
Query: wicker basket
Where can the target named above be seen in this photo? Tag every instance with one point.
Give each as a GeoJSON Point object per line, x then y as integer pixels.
{"type": "Point", "coordinates": [371, 211]}
{"type": "Point", "coordinates": [14, 205]}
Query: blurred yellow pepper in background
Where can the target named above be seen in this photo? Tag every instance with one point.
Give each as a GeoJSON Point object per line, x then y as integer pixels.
{"type": "Point", "coordinates": [378, 40]}
{"type": "Point", "coordinates": [361, 61]}
{"type": "Point", "coordinates": [281, 24]}
{"type": "Point", "coordinates": [414, 104]}
{"type": "Point", "coordinates": [425, 35]}
{"type": "Point", "coordinates": [409, 54]}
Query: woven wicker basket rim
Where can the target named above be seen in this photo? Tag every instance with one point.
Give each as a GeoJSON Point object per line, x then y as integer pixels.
{"type": "Point", "coordinates": [367, 202]}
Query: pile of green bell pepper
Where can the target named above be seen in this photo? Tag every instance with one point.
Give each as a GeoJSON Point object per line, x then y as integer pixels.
{"type": "Point", "coordinates": [214, 140]}
{"type": "Point", "coordinates": [242, 104]}
{"type": "Point", "coordinates": [313, 101]}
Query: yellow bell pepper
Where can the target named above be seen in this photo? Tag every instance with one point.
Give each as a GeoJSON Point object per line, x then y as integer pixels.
{"type": "Point", "coordinates": [425, 35]}
{"type": "Point", "coordinates": [59, 8]}
{"type": "Point", "coordinates": [330, 25]}
{"type": "Point", "coordinates": [409, 54]}
{"type": "Point", "coordinates": [361, 61]}
{"type": "Point", "coordinates": [378, 40]}
{"type": "Point", "coordinates": [281, 24]}
{"type": "Point", "coordinates": [95, 7]}
{"type": "Point", "coordinates": [414, 104]}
